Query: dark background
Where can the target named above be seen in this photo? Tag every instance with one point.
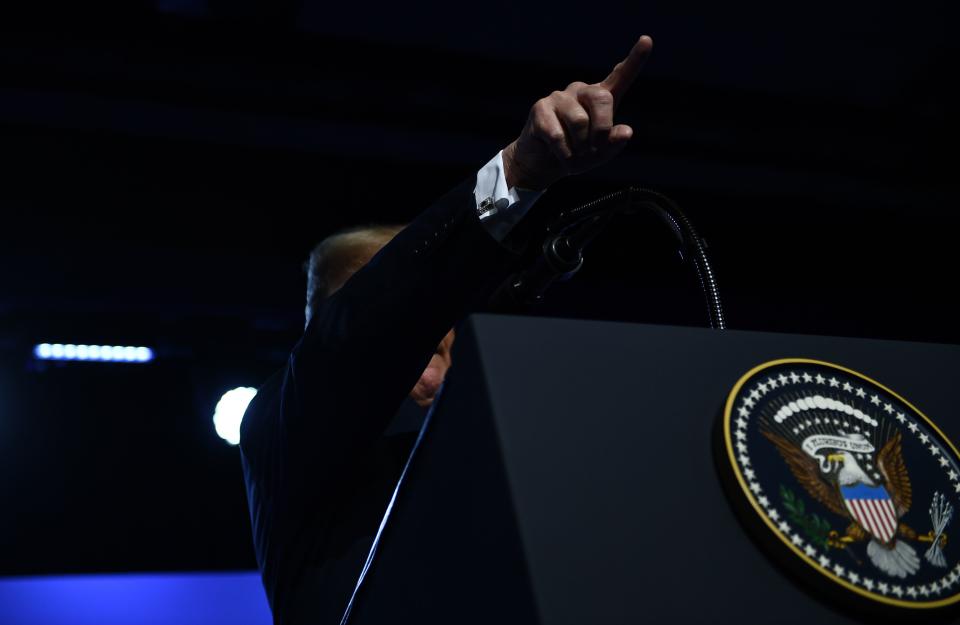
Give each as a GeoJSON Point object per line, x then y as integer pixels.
{"type": "Point", "coordinates": [166, 166]}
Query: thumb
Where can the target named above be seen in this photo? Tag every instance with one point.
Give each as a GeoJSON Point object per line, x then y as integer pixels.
{"type": "Point", "coordinates": [620, 134]}
{"type": "Point", "coordinates": [618, 139]}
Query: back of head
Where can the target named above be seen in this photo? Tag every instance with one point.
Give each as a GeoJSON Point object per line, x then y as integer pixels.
{"type": "Point", "coordinates": [339, 256]}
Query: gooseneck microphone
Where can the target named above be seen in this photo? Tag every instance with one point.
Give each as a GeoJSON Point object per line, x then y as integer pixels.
{"type": "Point", "coordinates": [571, 231]}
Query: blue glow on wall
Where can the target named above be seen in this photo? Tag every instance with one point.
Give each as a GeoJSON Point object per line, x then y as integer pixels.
{"type": "Point", "coordinates": [235, 598]}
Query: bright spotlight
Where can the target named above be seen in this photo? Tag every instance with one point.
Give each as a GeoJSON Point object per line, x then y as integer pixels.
{"type": "Point", "coordinates": [229, 413]}
{"type": "Point", "coordinates": [94, 353]}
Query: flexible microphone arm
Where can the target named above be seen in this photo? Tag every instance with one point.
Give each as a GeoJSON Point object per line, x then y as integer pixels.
{"type": "Point", "coordinates": [573, 230]}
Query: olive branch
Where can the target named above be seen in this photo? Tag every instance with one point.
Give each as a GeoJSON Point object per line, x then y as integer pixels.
{"type": "Point", "coordinates": [813, 525]}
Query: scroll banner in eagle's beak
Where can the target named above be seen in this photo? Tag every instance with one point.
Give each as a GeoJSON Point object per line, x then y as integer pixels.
{"type": "Point", "coordinates": [813, 444]}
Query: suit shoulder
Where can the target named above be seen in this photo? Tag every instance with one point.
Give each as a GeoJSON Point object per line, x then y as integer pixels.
{"type": "Point", "coordinates": [262, 409]}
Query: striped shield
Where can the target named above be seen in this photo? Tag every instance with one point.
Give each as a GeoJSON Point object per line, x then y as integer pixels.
{"type": "Point", "coordinates": [873, 509]}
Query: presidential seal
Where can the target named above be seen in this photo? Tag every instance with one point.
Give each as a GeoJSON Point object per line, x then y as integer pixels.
{"type": "Point", "coordinates": [849, 477]}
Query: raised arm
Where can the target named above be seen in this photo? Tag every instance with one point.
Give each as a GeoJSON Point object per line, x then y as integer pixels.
{"type": "Point", "coordinates": [366, 345]}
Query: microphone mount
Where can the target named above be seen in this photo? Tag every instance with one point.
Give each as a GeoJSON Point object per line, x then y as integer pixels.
{"type": "Point", "coordinates": [572, 230]}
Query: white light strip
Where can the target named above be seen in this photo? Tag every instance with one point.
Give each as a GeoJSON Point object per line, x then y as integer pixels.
{"type": "Point", "coordinates": [92, 353]}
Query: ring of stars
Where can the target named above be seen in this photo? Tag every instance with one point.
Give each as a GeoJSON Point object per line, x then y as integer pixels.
{"type": "Point", "coordinates": [814, 553]}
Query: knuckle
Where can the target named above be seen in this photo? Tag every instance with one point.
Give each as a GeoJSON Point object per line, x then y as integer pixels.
{"type": "Point", "coordinates": [540, 109]}
{"type": "Point", "coordinates": [551, 132]}
{"type": "Point", "coordinates": [578, 119]}
{"type": "Point", "coordinates": [554, 135]}
{"type": "Point", "coordinates": [576, 86]}
{"type": "Point", "coordinates": [599, 95]}
{"type": "Point", "coordinates": [543, 123]}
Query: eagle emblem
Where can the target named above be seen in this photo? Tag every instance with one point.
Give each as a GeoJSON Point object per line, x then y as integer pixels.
{"type": "Point", "coordinates": [835, 464]}
{"type": "Point", "coordinates": [870, 488]}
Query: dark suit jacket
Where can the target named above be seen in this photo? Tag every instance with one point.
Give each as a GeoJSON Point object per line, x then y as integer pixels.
{"type": "Point", "coordinates": [320, 458]}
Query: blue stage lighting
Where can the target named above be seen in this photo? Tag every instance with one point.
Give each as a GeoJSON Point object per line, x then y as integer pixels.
{"type": "Point", "coordinates": [215, 598]}
{"type": "Point", "coordinates": [92, 353]}
{"type": "Point", "coordinates": [229, 413]}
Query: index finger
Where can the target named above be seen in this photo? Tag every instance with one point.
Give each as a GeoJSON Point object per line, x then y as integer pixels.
{"type": "Point", "coordinates": [626, 71]}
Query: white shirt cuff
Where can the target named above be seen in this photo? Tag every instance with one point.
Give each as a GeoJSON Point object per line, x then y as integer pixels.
{"type": "Point", "coordinates": [500, 208]}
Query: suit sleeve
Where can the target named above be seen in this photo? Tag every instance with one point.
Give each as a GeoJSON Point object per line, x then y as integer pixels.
{"type": "Point", "coordinates": [367, 345]}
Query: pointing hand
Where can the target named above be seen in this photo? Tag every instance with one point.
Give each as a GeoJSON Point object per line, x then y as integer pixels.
{"type": "Point", "coordinates": [571, 131]}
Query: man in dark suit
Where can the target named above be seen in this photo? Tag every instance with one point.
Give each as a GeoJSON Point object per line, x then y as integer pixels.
{"type": "Point", "coordinates": [325, 439]}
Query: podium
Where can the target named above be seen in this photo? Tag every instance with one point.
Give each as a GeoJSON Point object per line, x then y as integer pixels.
{"type": "Point", "coordinates": [569, 475]}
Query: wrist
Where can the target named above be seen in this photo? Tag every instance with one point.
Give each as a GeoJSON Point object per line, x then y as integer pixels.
{"type": "Point", "coordinates": [518, 175]}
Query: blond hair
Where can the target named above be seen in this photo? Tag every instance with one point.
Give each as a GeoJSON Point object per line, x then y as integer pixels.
{"type": "Point", "coordinates": [339, 256]}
